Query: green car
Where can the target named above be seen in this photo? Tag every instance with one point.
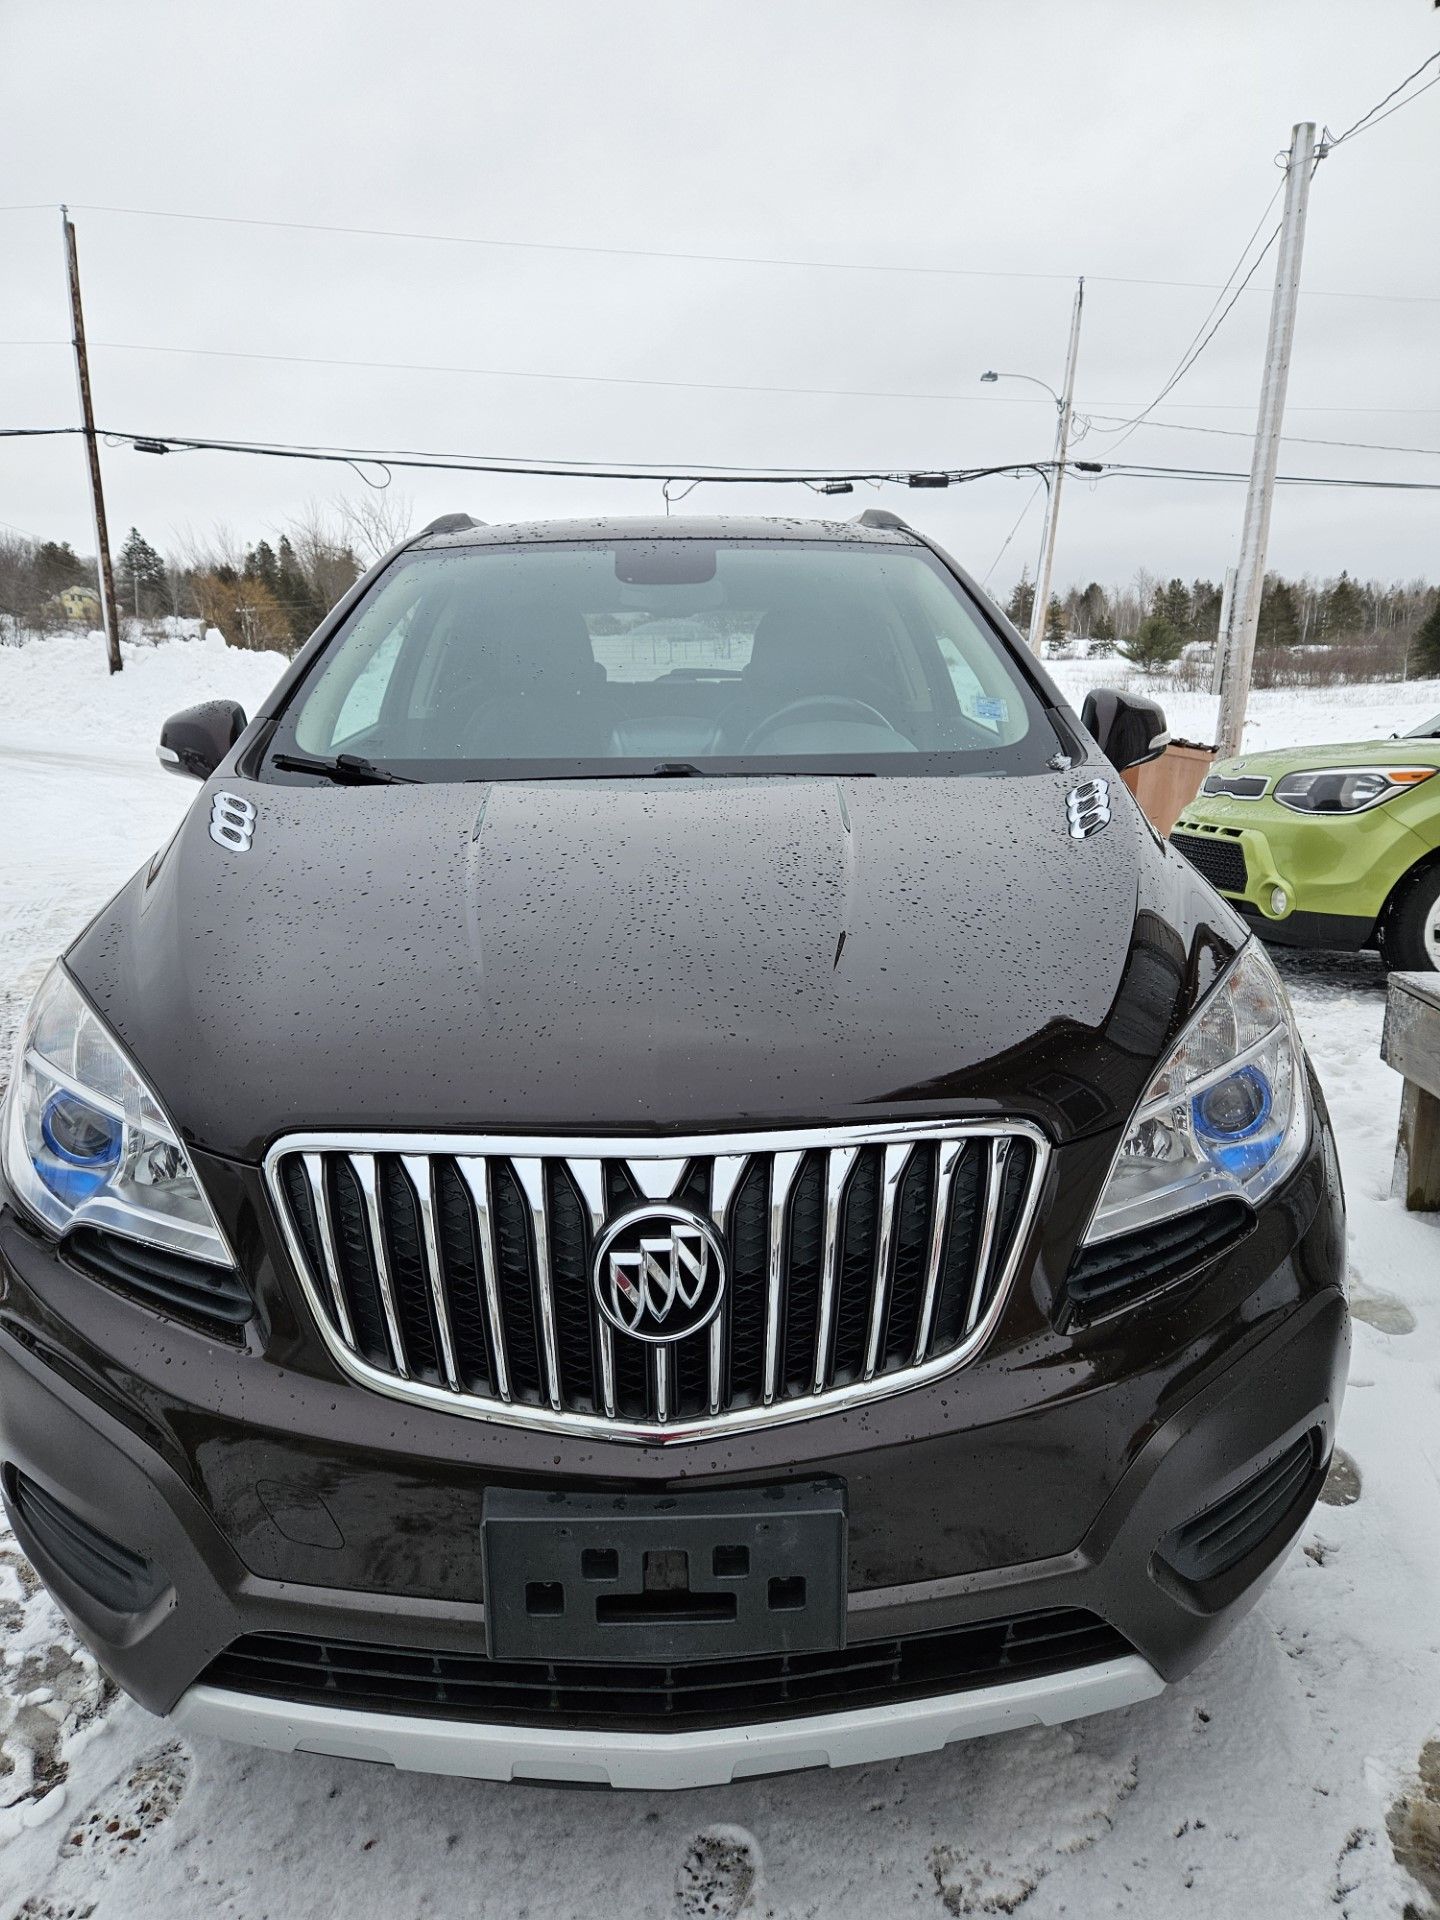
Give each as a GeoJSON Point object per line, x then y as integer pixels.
{"type": "Point", "coordinates": [1332, 846]}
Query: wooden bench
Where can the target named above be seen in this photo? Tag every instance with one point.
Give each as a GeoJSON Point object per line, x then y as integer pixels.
{"type": "Point", "coordinates": [1411, 1044]}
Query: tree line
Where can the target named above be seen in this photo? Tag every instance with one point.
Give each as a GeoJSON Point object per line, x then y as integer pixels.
{"type": "Point", "coordinates": [272, 594]}
{"type": "Point", "coordinates": [1366, 629]}
{"type": "Point", "coordinates": [269, 595]}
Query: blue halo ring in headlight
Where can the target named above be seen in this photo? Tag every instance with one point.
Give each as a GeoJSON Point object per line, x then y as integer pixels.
{"type": "Point", "coordinates": [1252, 1082]}
{"type": "Point", "coordinates": [1243, 1149]}
{"type": "Point", "coordinates": [81, 1136]}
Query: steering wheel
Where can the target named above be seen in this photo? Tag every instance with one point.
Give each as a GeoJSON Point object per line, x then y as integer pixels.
{"type": "Point", "coordinates": [823, 703]}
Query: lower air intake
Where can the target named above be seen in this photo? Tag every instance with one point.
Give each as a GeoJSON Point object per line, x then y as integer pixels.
{"type": "Point", "coordinates": [1224, 1534]}
{"type": "Point", "coordinates": [715, 1693]}
{"type": "Point", "coordinates": [112, 1574]}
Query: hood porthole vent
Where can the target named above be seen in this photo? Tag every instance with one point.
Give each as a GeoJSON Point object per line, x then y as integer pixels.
{"type": "Point", "coordinates": [1087, 807]}
{"type": "Point", "coordinates": [232, 822]}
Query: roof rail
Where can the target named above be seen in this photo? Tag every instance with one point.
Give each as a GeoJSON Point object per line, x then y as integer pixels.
{"type": "Point", "coordinates": [882, 517]}
{"type": "Point", "coordinates": [450, 523]}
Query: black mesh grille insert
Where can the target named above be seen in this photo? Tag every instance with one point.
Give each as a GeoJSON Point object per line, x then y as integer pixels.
{"type": "Point", "coordinates": [830, 1266]}
{"type": "Point", "coordinates": [469, 1686]}
{"type": "Point", "coordinates": [1217, 856]}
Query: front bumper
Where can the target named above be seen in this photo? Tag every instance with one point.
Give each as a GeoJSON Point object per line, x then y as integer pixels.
{"type": "Point", "coordinates": [660, 1761]}
{"type": "Point", "coordinates": [273, 1498]}
{"type": "Point", "coordinates": [1334, 873]}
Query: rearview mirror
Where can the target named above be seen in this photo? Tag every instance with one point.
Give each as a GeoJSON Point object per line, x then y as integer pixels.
{"type": "Point", "coordinates": [1127, 728]}
{"type": "Point", "coordinates": [196, 740]}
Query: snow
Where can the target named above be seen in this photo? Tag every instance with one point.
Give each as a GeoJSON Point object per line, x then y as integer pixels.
{"type": "Point", "coordinates": [1275, 716]}
{"type": "Point", "coordinates": [1262, 1783]}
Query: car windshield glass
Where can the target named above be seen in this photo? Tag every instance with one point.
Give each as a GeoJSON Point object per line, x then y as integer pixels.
{"type": "Point", "coordinates": [677, 655]}
{"type": "Point", "coordinates": [1427, 730]}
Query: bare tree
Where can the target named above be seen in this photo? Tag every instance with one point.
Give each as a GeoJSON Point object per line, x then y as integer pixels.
{"type": "Point", "coordinates": [324, 551]}
{"type": "Point", "coordinates": [377, 520]}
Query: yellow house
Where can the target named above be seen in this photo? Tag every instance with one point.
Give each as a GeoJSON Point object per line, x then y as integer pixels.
{"type": "Point", "coordinates": [79, 603]}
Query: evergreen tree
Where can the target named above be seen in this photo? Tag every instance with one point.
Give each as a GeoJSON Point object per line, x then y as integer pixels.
{"type": "Point", "coordinates": [1426, 654]}
{"type": "Point", "coordinates": [140, 576]}
{"type": "Point", "coordinates": [1102, 632]}
{"type": "Point", "coordinates": [1020, 607]}
{"type": "Point", "coordinates": [260, 564]}
{"type": "Point", "coordinates": [1172, 605]}
{"type": "Point", "coordinates": [1343, 613]}
{"type": "Point", "coordinates": [1205, 603]}
{"type": "Point", "coordinates": [1155, 645]}
{"type": "Point", "coordinates": [1279, 622]}
{"type": "Point", "coordinates": [1055, 621]}
{"type": "Point", "coordinates": [1091, 608]}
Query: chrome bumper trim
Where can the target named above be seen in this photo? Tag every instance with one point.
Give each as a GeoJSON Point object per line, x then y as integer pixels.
{"type": "Point", "coordinates": [661, 1761]}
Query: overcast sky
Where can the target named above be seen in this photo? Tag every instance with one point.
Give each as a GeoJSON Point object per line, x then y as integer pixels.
{"type": "Point", "coordinates": [1025, 141]}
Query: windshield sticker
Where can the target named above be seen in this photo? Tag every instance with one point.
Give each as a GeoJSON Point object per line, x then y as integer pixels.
{"type": "Point", "coordinates": [986, 706]}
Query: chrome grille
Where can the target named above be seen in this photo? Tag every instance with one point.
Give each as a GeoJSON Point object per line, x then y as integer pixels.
{"type": "Point", "coordinates": [457, 1271]}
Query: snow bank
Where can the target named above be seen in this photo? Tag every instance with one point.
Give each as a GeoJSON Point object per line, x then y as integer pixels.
{"type": "Point", "coordinates": [56, 692]}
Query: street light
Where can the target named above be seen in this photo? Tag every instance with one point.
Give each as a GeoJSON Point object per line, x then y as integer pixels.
{"type": "Point", "coordinates": [1063, 407]}
{"type": "Point", "coordinates": [989, 379]}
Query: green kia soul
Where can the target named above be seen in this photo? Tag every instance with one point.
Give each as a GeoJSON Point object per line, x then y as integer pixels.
{"type": "Point", "coordinates": [1330, 846]}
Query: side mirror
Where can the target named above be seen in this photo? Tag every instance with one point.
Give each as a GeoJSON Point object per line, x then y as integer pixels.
{"type": "Point", "coordinates": [195, 741]}
{"type": "Point", "coordinates": [1127, 728]}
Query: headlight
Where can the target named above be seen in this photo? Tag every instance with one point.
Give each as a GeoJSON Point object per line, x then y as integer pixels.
{"type": "Point", "coordinates": [1226, 1114]}
{"type": "Point", "coordinates": [1346, 789]}
{"type": "Point", "coordinates": [84, 1140]}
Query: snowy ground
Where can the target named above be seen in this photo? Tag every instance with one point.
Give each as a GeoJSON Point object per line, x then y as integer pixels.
{"type": "Point", "coordinates": [1262, 1784]}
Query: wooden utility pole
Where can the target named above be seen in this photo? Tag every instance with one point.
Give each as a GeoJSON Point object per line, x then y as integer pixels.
{"type": "Point", "coordinates": [1255, 533]}
{"type": "Point", "coordinates": [108, 608]}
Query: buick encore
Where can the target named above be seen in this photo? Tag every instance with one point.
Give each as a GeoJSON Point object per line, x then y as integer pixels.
{"type": "Point", "coordinates": [664, 1181]}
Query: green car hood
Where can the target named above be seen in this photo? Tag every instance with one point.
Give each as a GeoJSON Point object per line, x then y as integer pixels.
{"type": "Point", "coordinates": [1406, 752]}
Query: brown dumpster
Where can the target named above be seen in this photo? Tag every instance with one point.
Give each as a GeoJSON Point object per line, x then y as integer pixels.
{"type": "Point", "coordinates": [1165, 787]}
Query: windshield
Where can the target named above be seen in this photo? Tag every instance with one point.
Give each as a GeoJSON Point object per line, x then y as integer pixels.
{"type": "Point", "coordinates": [677, 655]}
{"type": "Point", "coordinates": [1427, 730]}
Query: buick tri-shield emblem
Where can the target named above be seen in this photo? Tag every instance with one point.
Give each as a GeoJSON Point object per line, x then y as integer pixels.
{"type": "Point", "coordinates": [659, 1273]}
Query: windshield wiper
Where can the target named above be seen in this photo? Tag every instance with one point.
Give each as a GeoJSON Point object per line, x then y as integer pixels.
{"type": "Point", "coordinates": [346, 769]}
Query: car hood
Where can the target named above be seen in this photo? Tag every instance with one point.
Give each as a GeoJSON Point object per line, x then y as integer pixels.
{"type": "Point", "coordinates": [1405, 751]}
{"type": "Point", "coordinates": [632, 957]}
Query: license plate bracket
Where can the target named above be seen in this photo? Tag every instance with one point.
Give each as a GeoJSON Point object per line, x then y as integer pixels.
{"type": "Point", "coordinates": [665, 1577]}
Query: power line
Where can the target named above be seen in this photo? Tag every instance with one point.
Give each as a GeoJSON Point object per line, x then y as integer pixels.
{"type": "Point", "coordinates": [1370, 119]}
{"type": "Point", "coordinates": [1039, 484]}
{"type": "Point", "coordinates": [697, 257]}
{"type": "Point", "coordinates": [1291, 439]}
{"type": "Point", "coordinates": [1202, 338]}
{"type": "Point", "coordinates": [511, 373]}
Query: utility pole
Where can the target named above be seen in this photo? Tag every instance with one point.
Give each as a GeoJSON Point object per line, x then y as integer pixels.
{"type": "Point", "coordinates": [1255, 531]}
{"type": "Point", "coordinates": [108, 608]}
{"type": "Point", "coordinates": [1222, 637]}
{"type": "Point", "coordinates": [1052, 504]}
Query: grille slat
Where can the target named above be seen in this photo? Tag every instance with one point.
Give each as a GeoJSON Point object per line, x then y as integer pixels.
{"type": "Point", "coordinates": [460, 1272]}
{"type": "Point", "coordinates": [892, 1173]}
{"type": "Point", "coordinates": [569, 1693]}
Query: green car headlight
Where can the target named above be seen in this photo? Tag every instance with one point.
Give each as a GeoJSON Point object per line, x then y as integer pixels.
{"type": "Point", "coordinates": [1346, 789]}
